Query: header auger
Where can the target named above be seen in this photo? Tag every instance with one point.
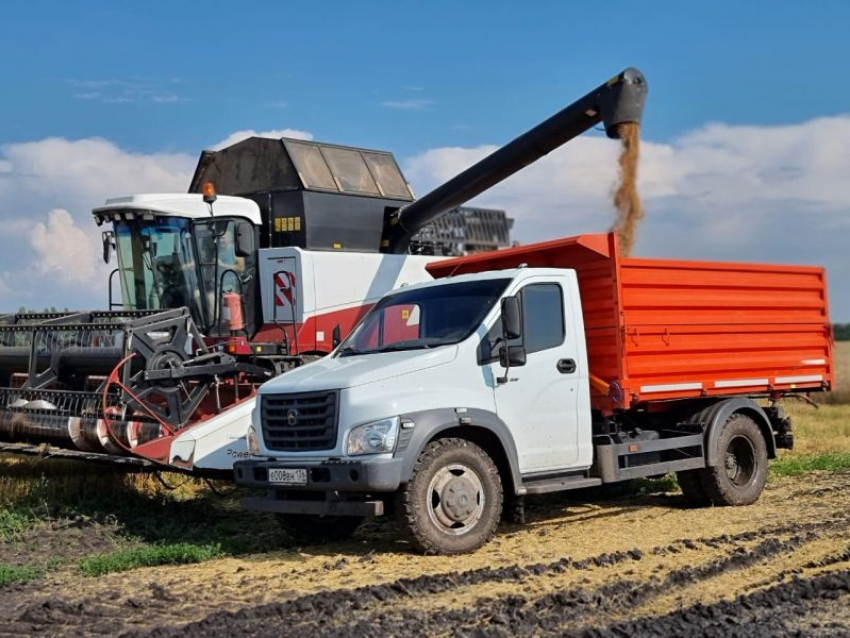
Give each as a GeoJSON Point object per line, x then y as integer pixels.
{"type": "Point", "coordinates": [113, 382]}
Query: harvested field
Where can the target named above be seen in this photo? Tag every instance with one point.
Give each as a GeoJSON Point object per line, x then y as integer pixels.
{"type": "Point", "coordinates": [577, 567]}
{"type": "Point", "coordinates": [633, 562]}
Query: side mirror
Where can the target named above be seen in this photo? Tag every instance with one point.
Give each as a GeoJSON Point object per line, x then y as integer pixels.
{"type": "Point", "coordinates": [511, 320]}
{"type": "Point", "coordinates": [512, 356]}
{"type": "Point", "coordinates": [244, 244]}
{"type": "Point", "coordinates": [336, 337]}
{"type": "Point", "coordinates": [108, 238]}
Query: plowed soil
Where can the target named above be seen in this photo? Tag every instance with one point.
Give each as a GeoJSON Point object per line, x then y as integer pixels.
{"type": "Point", "coordinates": [636, 566]}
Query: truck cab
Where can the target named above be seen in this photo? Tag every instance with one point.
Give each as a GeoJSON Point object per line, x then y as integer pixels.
{"type": "Point", "coordinates": [430, 361]}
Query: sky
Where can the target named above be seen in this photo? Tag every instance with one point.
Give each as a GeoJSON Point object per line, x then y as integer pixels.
{"type": "Point", "coordinates": [746, 133]}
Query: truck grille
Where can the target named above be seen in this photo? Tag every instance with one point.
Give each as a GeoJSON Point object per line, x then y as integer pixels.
{"type": "Point", "coordinates": [300, 422]}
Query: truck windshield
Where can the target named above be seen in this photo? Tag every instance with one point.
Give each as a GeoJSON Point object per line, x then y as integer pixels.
{"type": "Point", "coordinates": [425, 317]}
{"type": "Point", "coordinates": [156, 262]}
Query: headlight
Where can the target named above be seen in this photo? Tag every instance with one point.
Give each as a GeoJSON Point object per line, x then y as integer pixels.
{"type": "Point", "coordinates": [373, 438]}
{"type": "Point", "coordinates": [253, 441]}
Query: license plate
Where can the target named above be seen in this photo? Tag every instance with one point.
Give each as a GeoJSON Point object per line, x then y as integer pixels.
{"type": "Point", "coordinates": [280, 476]}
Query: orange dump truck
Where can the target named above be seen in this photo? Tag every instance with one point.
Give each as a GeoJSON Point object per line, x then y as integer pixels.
{"type": "Point", "coordinates": [541, 368]}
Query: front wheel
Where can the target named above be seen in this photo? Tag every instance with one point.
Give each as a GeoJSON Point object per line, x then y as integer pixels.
{"type": "Point", "coordinates": [310, 528]}
{"type": "Point", "coordinates": [453, 501]}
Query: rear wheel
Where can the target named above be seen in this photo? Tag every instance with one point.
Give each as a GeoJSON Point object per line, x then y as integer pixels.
{"type": "Point", "coordinates": [453, 501]}
{"type": "Point", "coordinates": [741, 471]}
{"type": "Point", "coordinates": [310, 528]}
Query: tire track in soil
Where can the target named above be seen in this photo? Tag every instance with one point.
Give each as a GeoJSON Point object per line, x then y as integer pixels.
{"type": "Point", "coordinates": [624, 595]}
{"type": "Point", "coordinates": [319, 614]}
{"type": "Point", "coordinates": [88, 606]}
{"type": "Point", "coordinates": [53, 612]}
{"type": "Point", "coordinates": [818, 607]}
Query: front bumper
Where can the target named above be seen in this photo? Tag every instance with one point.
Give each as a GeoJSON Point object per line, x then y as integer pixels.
{"type": "Point", "coordinates": [366, 476]}
{"type": "Point", "coordinates": [334, 488]}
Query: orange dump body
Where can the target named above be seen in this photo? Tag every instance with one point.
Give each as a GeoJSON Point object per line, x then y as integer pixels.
{"type": "Point", "coordinates": [660, 329]}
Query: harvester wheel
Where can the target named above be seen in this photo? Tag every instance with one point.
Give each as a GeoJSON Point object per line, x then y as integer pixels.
{"type": "Point", "coordinates": [308, 528]}
{"type": "Point", "coordinates": [741, 470]}
{"type": "Point", "coordinates": [453, 501]}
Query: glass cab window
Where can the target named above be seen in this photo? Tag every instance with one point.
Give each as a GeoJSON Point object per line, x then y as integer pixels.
{"type": "Point", "coordinates": [543, 317]}
{"type": "Point", "coordinates": [424, 318]}
{"type": "Point", "coordinates": [156, 262]}
{"type": "Point", "coordinates": [222, 270]}
{"type": "Point", "coordinates": [543, 324]}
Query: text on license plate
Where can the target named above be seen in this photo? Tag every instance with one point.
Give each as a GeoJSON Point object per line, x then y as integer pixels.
{"type": "Point", "coordinates": [282, 476]}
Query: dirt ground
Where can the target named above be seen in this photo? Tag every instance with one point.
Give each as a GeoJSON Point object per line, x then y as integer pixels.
{"type": "Point", "coordinates": [640, 566]}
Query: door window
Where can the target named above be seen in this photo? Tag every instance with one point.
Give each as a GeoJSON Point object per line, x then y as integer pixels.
{"type": "Point", "coordinates": [542, 319]}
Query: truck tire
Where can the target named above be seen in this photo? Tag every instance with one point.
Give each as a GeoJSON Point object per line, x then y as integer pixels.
{"type": "Point", "coordinates": [691, 483]}
{"type": "Point", "coordinates": [741, 470]}
{"type": "Point", "coordinates": [308, 528]}
{"type": "Point", "coordinates": [453, 501]}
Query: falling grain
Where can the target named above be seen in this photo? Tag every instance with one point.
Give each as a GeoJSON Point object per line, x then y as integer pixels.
{"type": "Point", "coordinates": [626, 199]}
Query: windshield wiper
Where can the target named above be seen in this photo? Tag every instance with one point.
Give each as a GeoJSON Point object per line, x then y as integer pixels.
{"type": "Point", "coordinates": [418, 344]}
{"type": "Point", "coordinates": [347, 351]}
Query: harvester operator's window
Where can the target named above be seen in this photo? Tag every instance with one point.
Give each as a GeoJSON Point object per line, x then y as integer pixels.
{"type": "Point", "coordinates": [222, 271]}
{"type": "Point", "coordinates": [156, 264]}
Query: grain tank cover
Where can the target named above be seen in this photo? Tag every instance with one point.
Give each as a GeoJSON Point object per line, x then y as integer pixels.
{"type": "Point", "coordinates": [313, 195]}
{"type": "Point", "coordinates": [260, 163]}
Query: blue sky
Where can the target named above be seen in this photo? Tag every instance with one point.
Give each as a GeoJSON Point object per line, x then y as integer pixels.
{"type": "Point", "coordinates": [480, 70]}
{"type": "Point", "coordinates": [159, 81]}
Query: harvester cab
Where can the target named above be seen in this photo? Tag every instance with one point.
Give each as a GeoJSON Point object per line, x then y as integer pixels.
{"type": "Point", "coordinates": [221, 292]}
{"type": "Point", "coordinates": [176, 251]}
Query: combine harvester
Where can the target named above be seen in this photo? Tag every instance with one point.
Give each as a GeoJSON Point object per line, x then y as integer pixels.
{"type": "Point", "coordinates": [222, 293]}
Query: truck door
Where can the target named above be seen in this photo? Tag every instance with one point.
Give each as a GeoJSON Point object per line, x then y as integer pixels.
{"type": "Point", "coordinates": [539, 402]}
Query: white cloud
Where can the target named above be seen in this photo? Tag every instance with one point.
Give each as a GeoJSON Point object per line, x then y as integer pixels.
{"type": "Point", "coordinates": [238, 136]}
{"type": "Point", "coordinates": [64, 250]}
{"type": "Point", "coordinates": [126, 91]}
{"type": "Point", "coordinates": [407, 105]}
{"type": "Point", "coordinates": [745, 193]}
{"type": "Point", "coordinates": [49, 245]}
{"type": "Point", "coordinates": [777, 194]}
{"type": "Point", "coordinates": [51, 257]}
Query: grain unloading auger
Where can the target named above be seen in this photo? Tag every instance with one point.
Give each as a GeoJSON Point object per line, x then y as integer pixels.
{"type": "Point", "coordinates": [220, 293]}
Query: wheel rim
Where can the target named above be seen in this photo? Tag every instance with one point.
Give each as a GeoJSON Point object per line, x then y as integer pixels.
{"type": "Point", "coordinates": [740, 461]}
{"type": "Point", "coordinates": [455, 499]}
